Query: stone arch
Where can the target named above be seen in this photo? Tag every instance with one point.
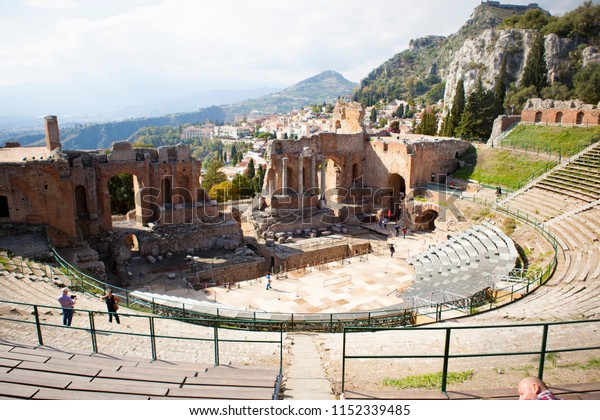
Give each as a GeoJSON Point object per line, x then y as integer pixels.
{"type": "Point", "coordinates": [558, 117]}
{"type": "Point", "coordinates": [291, 181]}
{"type": "Point", "coordinates": [397, 184]}
{"type": "Point", "coordinates": [424, 216]}
{"type": "Point", "coordinates": [278, 148]}
{"type": "Point", "coordinates": [538, 117]}
{"type": "Point", "coordinates": [579, 118]}
{"type": "Point", "coordinates": [81, 205]}
{"type": "Point", "coordinates": [133, 243]}
{"type": "Point", "coordinates": [333, 178]}
{"type": "Point", "coordinates": [4, 208]}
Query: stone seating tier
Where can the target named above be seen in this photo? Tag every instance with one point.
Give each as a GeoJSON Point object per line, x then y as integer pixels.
{"type": "Point", "coordinates": [460, 264]}
{"type": "Point", "coordinates": [39, 373]}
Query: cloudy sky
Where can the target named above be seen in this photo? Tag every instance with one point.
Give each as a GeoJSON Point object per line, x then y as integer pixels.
{"type": "Point", "coordinates": [57, 55]}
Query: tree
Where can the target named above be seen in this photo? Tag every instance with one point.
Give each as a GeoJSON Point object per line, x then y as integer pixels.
{"type": "Point", "coordinates": [259, 178]}
{"type": "Point", "coordinates": [587, 83]}
{"type": "Point", "coordinates": [122, 199]}
{"type": "Point", "coordinates": [373, 116]}
{"type": "Point", "coordinates": [500, 89]}
{"type": "Point", "coordinates": [395, 126]}
{"type": "Point", "coordinates": [536, 69]}
{"type": "Point", "coordinates": [478, 116]}
{"type": "Point", "coordinates": [213, 174]}
{"type": "Point", "coordinates": [458, 105]}
{"type": "Point", "coordinates": [250, 171]}
{"type": "Point", "coordinates": [516, 98]}
{"type": "Point", "coordinates": [242, 187]}
{"type": "Point", "coordinates": [428, 124]}
{"type": "Point", "coordinates": [399, 112]}
{"type": "Point", "coordinates": [234, 155]}
{"type": "Point", "coordinates": [223, 191]}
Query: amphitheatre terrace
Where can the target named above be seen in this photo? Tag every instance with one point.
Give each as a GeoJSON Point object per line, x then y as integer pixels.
{"type": "Point", "coordinates": [340, 301]}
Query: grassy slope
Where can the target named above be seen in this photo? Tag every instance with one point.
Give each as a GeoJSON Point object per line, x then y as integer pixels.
{"type": "Point", "coordinates": [511, 168]}
{"type": "Point", "coordinates": [501, 167]}
{"type": "Point", "coordinates": [567, 140]}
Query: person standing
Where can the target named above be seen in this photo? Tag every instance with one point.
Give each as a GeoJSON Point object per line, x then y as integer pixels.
{"type": "Point", "coordinates": [392, 250]}
{"type": "Point", "coordinates": [68, 303]}
{"type": "Point", "coordinates": [404, 232]}
{"type": "Point", "coordinates": [112, 305]}
{"type": "Point", "coordinates": [268, 281]}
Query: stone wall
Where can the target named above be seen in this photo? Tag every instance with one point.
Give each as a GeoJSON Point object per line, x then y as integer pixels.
{"type": "Point", "coordinates": [303, 258]}
{"type": "Point", "coordinates": [538, 111]}
{"type": "Point", "coordinates": [68, 190]}
{"type": "Point", "coordinates": [228, 276]}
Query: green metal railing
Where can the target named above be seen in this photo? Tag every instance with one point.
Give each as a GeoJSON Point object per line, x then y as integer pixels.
{"type": "Point", "coordinates": [539, 349]}
{"type": "Point", "coordinates": [333, 322]}
{"type": "Point", "coordinates": [151, 334]}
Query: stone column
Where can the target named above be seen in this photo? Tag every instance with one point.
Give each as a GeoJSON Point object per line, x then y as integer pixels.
{"type": "Point", "coordinates": [313, 171]}
{"type": "Point", "coordinates": [284, 179]}
{"type": "Point", "coordinates": [323, 167]}
{"type": "Point", "coordinates": [300, 175]}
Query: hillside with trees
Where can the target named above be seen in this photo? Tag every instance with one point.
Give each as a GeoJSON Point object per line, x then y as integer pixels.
{"type": "Point", "coordinates": [501, 57]}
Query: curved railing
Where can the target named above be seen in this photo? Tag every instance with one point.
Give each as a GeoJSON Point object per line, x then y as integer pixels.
{"type": "Point", "coordinates": [87, 323]}
{"type": "Point", "coordinates": [541, 348]}
{"type": "Point", "coordinates": [331, 322]}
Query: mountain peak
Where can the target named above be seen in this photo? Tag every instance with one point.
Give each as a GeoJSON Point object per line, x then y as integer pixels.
{"type": "Point", "coordinates": [326, 76]}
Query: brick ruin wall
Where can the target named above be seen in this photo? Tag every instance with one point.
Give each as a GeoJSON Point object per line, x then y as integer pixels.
{"type": "Point", "coordinates": [538, 111]}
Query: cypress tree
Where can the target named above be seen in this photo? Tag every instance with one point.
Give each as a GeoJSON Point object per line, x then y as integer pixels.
{"type": "Point", "coordinates": [500, 89]}
{"type": "Point", "coordinates": [428, 124]}
{"type": "Point", "coordinates": [536, 69]}
{"type": "Point", "coordinates": [250, 171]}
{"type": "Point", "coordinates": [458, 106]}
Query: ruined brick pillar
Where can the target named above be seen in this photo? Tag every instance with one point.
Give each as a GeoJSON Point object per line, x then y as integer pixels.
{"type": "Point", "coordinates": [313, 171]}
{"type": "Point", "coordinates": [284, 180]}
{"type": "Point", "coordinates": [52, 133]}
{"type": "Point", "coordinates": [323, 168]}
{"type": "Point", "coordinates": [300, 174]}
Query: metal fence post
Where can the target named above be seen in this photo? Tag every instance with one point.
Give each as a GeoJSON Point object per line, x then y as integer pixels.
{"type": "Point", "coordinates": [152, 337]}
{"type": "Point", "coordinates": [543, 352]}
{"type": "Point", "coordinates": [216, 340]}
{"type": "Point", "coordinates": [343, 360]}
{"type": "Point", "coordinates": [38, 327]}
{"type": "Point", "coordinates": [446, 360]}
{"type": "Point", "coordinates": [93, 332]}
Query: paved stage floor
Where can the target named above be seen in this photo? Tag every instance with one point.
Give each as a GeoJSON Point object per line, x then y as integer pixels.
{"type": "Point", "coordinates": [356, 284]}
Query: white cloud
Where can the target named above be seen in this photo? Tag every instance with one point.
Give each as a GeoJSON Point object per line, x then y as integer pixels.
{"type": "Point", "coordinates": [177, 46]}
{"type": "Point", "coordinates": [51, 4]}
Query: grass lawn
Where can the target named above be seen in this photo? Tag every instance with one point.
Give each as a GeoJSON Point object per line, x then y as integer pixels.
{"type": "Point", "coordinates": [501, 167]}
{"type": "Point", "coordinates": [566, 140]}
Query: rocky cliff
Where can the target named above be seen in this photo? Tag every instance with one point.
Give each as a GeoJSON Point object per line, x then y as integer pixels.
{"type": "Point", "coordinates": [482, 57]}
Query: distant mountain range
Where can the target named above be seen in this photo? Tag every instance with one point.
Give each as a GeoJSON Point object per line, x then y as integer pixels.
{"type": "Point", "coordinates": [326, 87]}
